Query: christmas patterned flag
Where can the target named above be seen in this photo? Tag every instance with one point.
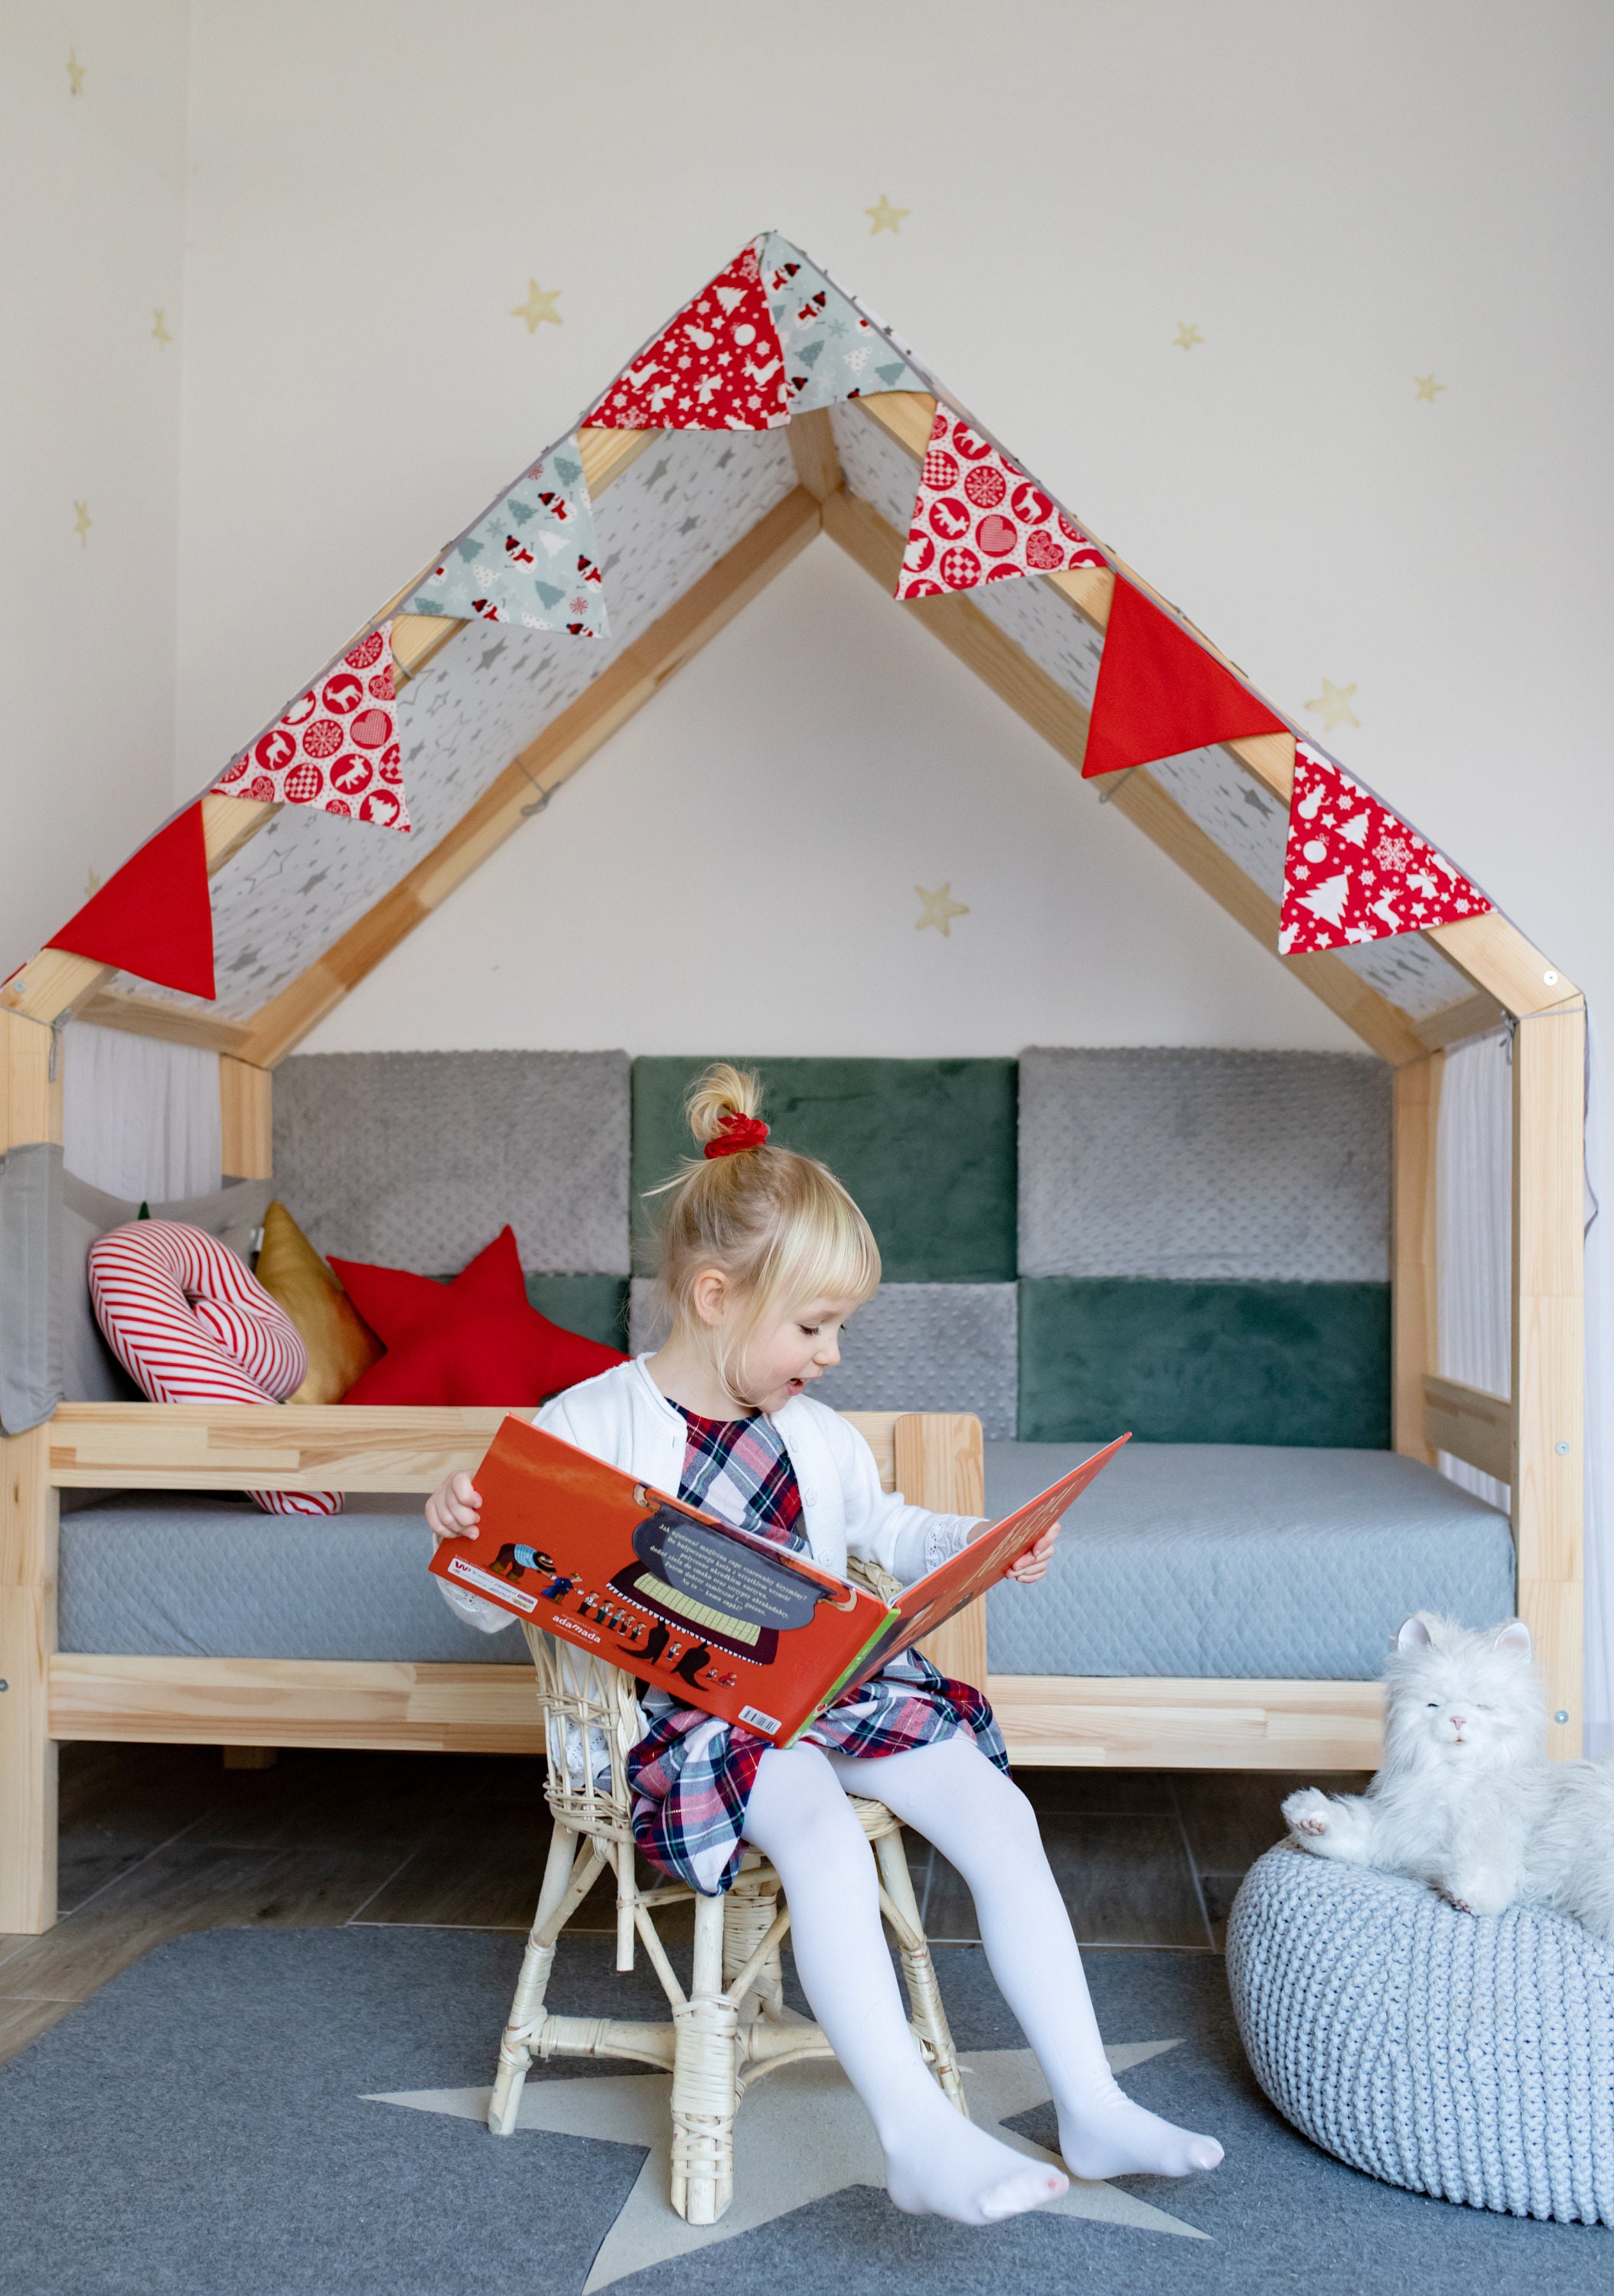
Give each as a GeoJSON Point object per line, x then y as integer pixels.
{"type": "Point", "coordinates": [718, 366]}
{"type": "Point", "coordinates": [831, 352]}
{"type": "Point", "coordinates": [1353, 870]}
{"type": "Point", "coordinates": [532, 559]}
{"type": "Point", "coordinates": [978, 517]}
{"type": "Point", "coordinates": [1159, 691]}
{"type": "Point", "coordinates": [337, 747]}
{"type": "Point", "coordinates": [154, 918]}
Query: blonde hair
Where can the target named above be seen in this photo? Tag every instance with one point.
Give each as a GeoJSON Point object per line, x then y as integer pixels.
{"type": "Point", "coordinates": [779, 1225]}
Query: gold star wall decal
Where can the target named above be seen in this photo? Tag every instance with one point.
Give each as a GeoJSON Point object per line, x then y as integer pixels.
{"type": "Point", "coordinates": [82, 523]}
{"type": "Point", "coordinates": [1427, 387]}
{"type": "Point", "coordinates": [1186, 336]}
{"type": "Point", "coordinates": [539, 307]}
{"type": "Point", "coordinates": [74, 75]}
{"type": "Point", "coordinates": [91, 884]}
{"type": "Point", "coordinates": [1332, 705]}
{"type": "Point", "coordinates": [160, 328]}
{"type": "Point", "coordinates": [939, 909]}
{"type": "Point", "coordinates": [885, 217]}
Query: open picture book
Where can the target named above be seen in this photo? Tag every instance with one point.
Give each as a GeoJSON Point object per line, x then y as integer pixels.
{"type": "Point", "coordinates": [725, 1619]}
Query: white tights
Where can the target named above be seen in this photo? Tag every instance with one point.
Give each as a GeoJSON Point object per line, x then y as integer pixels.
{"type": "Point", "coordinates": [936, 2161]}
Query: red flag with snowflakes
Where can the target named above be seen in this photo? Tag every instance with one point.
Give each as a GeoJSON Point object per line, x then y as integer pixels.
{"type": "Point", "coordinates": [978, 517]}
{"type": "Point", "coordinates": [1353, 870]}
{"type": "Point", "coordinates": [1159, 691]}
{"type": "Point", "coordinates": [718, 366]}
{"type": "Point", "coordinates": [337, 747]}
{"type": "Point", "coordinates": [154, 917]}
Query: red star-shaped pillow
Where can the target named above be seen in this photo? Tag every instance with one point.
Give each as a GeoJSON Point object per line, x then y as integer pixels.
{"type": "Point", "coordinates": [476, 1341]}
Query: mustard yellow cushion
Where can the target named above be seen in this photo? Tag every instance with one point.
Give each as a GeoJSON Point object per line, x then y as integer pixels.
{"type": "Point", "coordinates": [341, 1346]}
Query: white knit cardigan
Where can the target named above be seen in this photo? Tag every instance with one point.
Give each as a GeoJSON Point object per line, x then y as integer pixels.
{"type": "Point", "coordinates": [623, 1418]}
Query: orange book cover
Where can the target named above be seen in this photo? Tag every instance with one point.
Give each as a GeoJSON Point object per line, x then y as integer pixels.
{"type": "Point", "coordinates": [725, 1619]}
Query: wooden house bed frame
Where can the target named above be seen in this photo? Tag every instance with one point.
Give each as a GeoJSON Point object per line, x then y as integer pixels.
{"type": "Point", "coordinates": [1532, 1440]}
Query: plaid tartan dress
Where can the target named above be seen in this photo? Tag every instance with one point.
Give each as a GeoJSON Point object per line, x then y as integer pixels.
{"type": "Point", "coordinates": [691, 1774]}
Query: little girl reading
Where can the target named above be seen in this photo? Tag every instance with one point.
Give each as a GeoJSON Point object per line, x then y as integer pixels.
{"type": "Point", "coordinates": [763, 1256]}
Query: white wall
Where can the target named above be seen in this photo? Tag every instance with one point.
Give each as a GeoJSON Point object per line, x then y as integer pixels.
{"type": "Point", "coordinates": [93, 188]}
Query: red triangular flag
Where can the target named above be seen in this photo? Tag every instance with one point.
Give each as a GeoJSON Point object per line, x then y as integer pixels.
{"type": "Point", "coordinates": [718, 366]}
{"type": "Point", "coordinates": [336, 748]}
{"type": "Point", "coordinates": [1353, 870]}
{"type": "Point", "coordinates": [1159, 691]}
{"type": "Point", "coordinates": [154, 917]}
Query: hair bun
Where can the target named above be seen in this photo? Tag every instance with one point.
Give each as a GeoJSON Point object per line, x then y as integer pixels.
{"type": "Point", "coordinates": [717, 1098]}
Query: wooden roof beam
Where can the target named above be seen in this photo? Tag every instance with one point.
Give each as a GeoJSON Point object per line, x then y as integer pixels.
{"type": "Point", "coordinates": [1490, 951]}
{"type": "Point", "coordinates": [1062, 722]}
{"type": "Point", "coordinates": [637, 674]}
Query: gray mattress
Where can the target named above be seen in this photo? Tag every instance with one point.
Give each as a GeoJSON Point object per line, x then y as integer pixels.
{"type": "Point", "coordinates": [1231, 1559]}
{"type": "Point", "coordinates": [1183, 1558]}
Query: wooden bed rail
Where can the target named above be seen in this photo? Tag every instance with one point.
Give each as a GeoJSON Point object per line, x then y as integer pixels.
{"type": "Point", "coordinates": [1470, 1424]}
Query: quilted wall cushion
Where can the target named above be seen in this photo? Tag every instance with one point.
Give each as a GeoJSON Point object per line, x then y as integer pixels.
{"type": "Point", "coordinates": [926, 1147]}
{"type": "Point", "coordinates": [1204, 1163]}
{"type": "Point", "coordinates": [912, 1347]}
{"type": "Point", "coordinates": [1204, 1363]}
{"type": "Point", "coordinates": [1212, 1559]}
{"type": "Point", "coordinates": [413, 1159]}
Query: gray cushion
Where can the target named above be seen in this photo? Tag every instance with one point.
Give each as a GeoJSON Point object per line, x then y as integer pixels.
{"type": "Point", "coordinates": [912, 1347]}
{"type": "Point", "coordinates": [1209, 1559]}
{"type": "Point", "coordinates": [1204, 1163]}
{"type": "Point", "coordinates": [192, 1574]}
{"type": "Point", "coordinates": [30, 1285]}
{"type": "Point", "coordinates": [417, 1159]}
{"type": "Point", "coordinates": [90, 1371]}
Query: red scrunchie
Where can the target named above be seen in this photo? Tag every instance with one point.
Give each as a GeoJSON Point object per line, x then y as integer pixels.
{"type": "Point", "coordinates": [737, 1133]}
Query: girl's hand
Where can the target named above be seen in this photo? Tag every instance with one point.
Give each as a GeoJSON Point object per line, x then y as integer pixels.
{"type": "Point", "coordinates": [1033, 1564]}
{"type": "Point", "coordinates": [454, 1509]}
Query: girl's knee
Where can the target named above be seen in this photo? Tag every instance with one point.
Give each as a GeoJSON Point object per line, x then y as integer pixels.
{"type": "Point", "coordinates": [798, 1796]}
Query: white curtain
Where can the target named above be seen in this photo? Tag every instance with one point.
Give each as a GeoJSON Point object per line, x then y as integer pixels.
{"type": "Point", "coordinates": [139, 1117]}
{"type": "Point", "coordinates": [1600, 1410]}
{"type": "Point", "coordinates": [1474, 1223]}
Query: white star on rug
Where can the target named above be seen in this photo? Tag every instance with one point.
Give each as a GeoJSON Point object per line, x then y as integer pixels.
{"type": "Point", "coordinates": [800, 2135]}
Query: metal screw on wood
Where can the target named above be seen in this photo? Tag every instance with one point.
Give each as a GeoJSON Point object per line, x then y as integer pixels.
{"type": "Point", "coordinates": [4, 1685]}
{"type": "Point", "coordinates": [1563, 1450]}
{"type": "Point", "coordinates": [1561, 1716]}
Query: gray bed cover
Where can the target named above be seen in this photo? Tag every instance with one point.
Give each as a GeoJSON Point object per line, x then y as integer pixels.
{"type": "Point", "coordinates": [1183, 1558]}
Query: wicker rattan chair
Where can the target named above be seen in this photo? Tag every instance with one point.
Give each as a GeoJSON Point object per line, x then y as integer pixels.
{"type": "Point", "coordinates": [731, 2025]}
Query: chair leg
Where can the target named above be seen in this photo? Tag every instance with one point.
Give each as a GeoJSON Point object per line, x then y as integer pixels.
{"type": "Point", "coordinates": [526, 2009]}
{"type": "Point", "coordinates": [748, 1915]}
{"type": "Point", "coordinates": [924, 1994]}
{"type": "Point", "coordinates": [705, 2087]}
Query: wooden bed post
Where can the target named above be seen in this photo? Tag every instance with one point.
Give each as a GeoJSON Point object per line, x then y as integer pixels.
{"type": "Point", "coordinates": [246, 1125]}
{"type": "Point", "coordinates": [938, 1463]}
{"type": "Point", "coordinates": [1414, 1315]}
{"type": "Point", "coordinates": [1549, 1401]}
{"type": "Point", "coordinates": [30, 1112]}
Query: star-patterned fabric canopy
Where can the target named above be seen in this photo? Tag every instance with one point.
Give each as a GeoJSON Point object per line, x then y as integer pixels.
{"type": "Point", "coordinates": [566, 574]}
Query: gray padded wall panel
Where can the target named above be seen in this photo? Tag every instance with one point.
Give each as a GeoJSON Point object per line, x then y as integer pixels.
{"type": "Point", "coordinates": [1204, 1163]}
{"type": "Point", "coordinates": [417, 1159]}
{"type": "Point", "coordinates": [913, 1347]}
{"type": "Point", "coordinates": [30, 1285]}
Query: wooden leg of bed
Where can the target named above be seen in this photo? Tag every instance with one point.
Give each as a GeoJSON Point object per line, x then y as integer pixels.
{"type": "Point", "coordinates": [28, 1636]}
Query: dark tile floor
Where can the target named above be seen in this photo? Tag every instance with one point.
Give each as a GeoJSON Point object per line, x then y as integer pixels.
{"type": "Point", "coordinates": [157, 1840]}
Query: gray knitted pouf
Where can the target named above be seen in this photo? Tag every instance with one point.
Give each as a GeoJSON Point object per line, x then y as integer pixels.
{"type": "Point", "coordinates": [1469, 2059]}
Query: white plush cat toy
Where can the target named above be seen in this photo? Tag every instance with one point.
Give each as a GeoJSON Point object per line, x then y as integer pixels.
{"type": "Point", "coordinates": [1467, 1800]}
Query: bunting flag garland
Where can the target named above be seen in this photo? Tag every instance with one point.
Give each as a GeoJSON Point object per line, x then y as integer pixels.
{"type": "Point", "coordinates": [718, 366]}
{"type": "Point", "coordinates": [1159, 691]}
{"type": "Point", "coordinates": [154, 917]}
{"type": "Point", "coordinates": [533, 559]}
{"type": "Point", "coordinates": [978, 517]}
{"type": "Point", "coordinates": [831, 352]}
{"type": "Point", "coordinates": [1353, 870]}
{"type": "Point", "coordinates": [337, 747]}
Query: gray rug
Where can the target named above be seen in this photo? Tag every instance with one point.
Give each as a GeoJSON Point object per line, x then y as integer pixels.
{"type": "Point", "coordinates": [285, 2113]}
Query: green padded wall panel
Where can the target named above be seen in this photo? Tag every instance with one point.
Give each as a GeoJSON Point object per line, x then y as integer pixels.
{"type": "Point", "coordinates": [1204, 1363]}
{"type": "Point", "coordinates": [926, 1148]}
{"type": "Point", "coordinates": [596, 1306]}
